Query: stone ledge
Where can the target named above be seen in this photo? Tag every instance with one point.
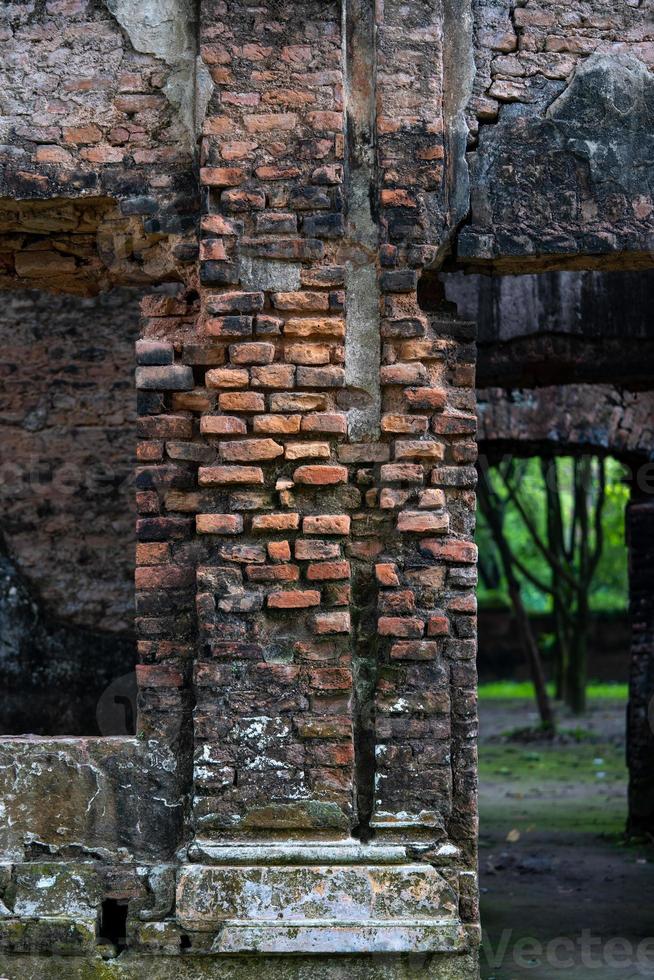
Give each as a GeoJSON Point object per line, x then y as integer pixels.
{"type": "Point", "coordinates": [349, 908]}
{"type": "Point", "coordinates": [429, 936]}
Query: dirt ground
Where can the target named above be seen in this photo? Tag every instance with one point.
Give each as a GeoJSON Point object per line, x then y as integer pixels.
{"type": "Point", "coordinates": [563, 895]}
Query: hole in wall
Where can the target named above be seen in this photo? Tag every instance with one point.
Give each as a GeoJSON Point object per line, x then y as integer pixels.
{"type": "Point", "coordinates": [113, 923]}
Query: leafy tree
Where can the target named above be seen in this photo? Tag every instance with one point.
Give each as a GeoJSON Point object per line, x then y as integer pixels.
{"type": "Point", "coordinates": [555, 526]}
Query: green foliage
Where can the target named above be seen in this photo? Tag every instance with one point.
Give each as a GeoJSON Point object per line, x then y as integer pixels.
{"type": "Point", "coordinates": [609, 588]}
{"type": "Point", "coordinates": [524, 690]}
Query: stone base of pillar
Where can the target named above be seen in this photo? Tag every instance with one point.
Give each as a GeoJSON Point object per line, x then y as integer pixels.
{"type": "Point", "coordinates": [334, 897]}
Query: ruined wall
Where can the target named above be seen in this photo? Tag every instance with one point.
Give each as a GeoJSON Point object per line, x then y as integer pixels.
{"type": "Point", "coordinates": [568, 418]}
{"type": "Point", "coordinates": [304, 772]}
{"type": "Point", "coordinates": [559, 327]}
{"type": "Point", "coordinates": [97, 132]}
{"type": "Point", "coordinates": [562, 111]}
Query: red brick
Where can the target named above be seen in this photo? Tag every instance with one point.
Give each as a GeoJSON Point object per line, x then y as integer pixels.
{"type": "Point", "coordinates": [242, 401]}
{"type": "Point", "coordinates": [330, 679]}
{"type": "Point", "coordinates": [273, 376]}
{"type": "Point", "coordinates": [403, 374]}
{"type": "Point", "coordinates": [333, 423]}
{"type": "Point", "coordinates": [222, 425]}
{"type": "Point", "coordinates": [414, 650]}
{"type": "Point", "coordinates": [284, 121]}
{"type": "Point", "coordinates": [316, 550]}
{"type": "Point", "coordinates": [152, 553]}
{"type": "Point", "coordinates": [279, 550]}
{"type": "Point", "coordinates": [278, 424]}
{"type": "Point", "coordinates": [407, 627]}
{"type": "Point", "coordinates": [463, 552]}
{"type": "Point", "coordinates": [386, 574]}
{"type": "Point", "coordinates": [320, 475]}
{"type": "Point", "coordinates": [433, 398]}
{"type": "Point", "coordinates": [326, 524]}
{"type": "Point", "coordinates": [250, 449]}
{"type": "Point", "coordinates": [213, 250]}
{"type": "Point", "coordinates": [221, 176]}
{"type": "Point", "coordinates": [315, 326]}
{"type": "Point", "coordinates": [294, 599]}
{"type": "Point", "coordinates": [219, 523]}
{"type": "Point", "coordinates": [276, 522]}
{"type": "Point", "coordinates": [402, 473]}
{"type": "Point", "coordinates": [426, 449]}
{"type": "Point", "coordinates": [422, 522]}
{"type": "Point", "coordinates": [463, 604]}
{"type": "Point", "coordinates": [297, 402]}
{"type": "Point", "coordinates": [390, 498]}
{"type": "Point", "coordinates": [303, 302]}
{"type": "Point", "coordinates": [333, 622]}
{"type": "Point", "coordinates": [328, 571]}
{"type": "Point", "coordinates": [404, 423]}
{"type": "Point", "coordinates": [397, 198]}
{"type": "Point", "coordinates": [157, 675]}
{"type": "Point", "coordinates": [215, 476]}
{"type": "Point", "coordinates": [273, 573]}
{"type": "Point", "coordinates": [227, 378]}
{"type": "Point", "coordinates": [308, 354]}
{"type": "Point", "coordinates": [252, 353]}
{"type": "Point", "coordinates": [308, 450]}
{"type": "Point", "coordinates": [164, 577]}
{"type": "Point", "coordinates": [438, 626]}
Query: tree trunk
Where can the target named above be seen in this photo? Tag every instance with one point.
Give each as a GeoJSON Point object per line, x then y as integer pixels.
{"type": "Point", "coordinates": [529, 644]}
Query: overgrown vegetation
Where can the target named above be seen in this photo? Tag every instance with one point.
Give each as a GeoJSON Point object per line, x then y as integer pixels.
{"type": "Point", "coordinates": [551, 539]}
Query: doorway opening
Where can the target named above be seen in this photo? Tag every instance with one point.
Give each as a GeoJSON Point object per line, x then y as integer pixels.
{"type": "Point", "coordinates": [565, 404]}
{"type": "Point", "coordinates": [67, 448]}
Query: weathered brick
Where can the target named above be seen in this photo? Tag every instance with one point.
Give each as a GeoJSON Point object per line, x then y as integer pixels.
{"type": "Point", "coordinates": [227, 378]}
{"type": "Point", "coordinates": [273, 376]}
{"type": "Point", "coordinates": [276, 522]}
{"type": "Point", "coordinates": [297, 402]}
{"type": "Point", "coordinates": [333, 622]}
{"type": "Point", "coordinates": [316, 550]}
{"type": "Point", "coordinates": [294, 600]}
{"type": "Point", "coordinates": [172, 377]}
{"type": "Point", "coordinates": [222, 425]}
{"type": "Point", "coordinates": [401, 626]}
{"type": "Point", "coordinates": [242, 401]}
{"type": "Point", "coordinates": [216, 476]}
{"type": "Point", "coordinates": [250, 449]}
{"type": "Point", "coordinates": [326, 524]}
{"type": "Point", "coordinates": [386, 575]}
{"type": "Point", "coordinates": [320, 475]}
{"type": "Point", "coordinates": [331, 423]}
{"type": "Point", "coordinates": [252, 353]}
{"type": "Point", "coordinates": [307, 450]}
{"type": "Point", "coordinates": [328, 571]}
{"type": "Point", "coordinates": [278, 424]}
{"type": "Point", "coordinates": [219, 523]}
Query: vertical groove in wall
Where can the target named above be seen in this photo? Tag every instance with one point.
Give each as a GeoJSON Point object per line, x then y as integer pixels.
{"type": "Point", "coordinates": [365, 658]}
{"type": "Point", "coordinates": [362, 358]}
{"type": "Point", "coordinates": [362, 343]}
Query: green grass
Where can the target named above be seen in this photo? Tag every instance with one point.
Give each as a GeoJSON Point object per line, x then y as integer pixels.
{"type": "Point", "coordinates": [542, 763]}
{"type": "Point", "coordinates": [552, 788]}
{"type": "Point", "coordinates": [507, 690]}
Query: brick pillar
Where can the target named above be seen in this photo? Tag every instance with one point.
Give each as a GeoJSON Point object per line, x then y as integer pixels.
{"type": "Point", "coordinates": [640, 737]}
{"type": "Point", "coordinates": [315, 489]}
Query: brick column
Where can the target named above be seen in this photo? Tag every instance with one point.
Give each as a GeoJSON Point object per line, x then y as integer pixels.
{"type": "Point", "coordinates": [316, 458]}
